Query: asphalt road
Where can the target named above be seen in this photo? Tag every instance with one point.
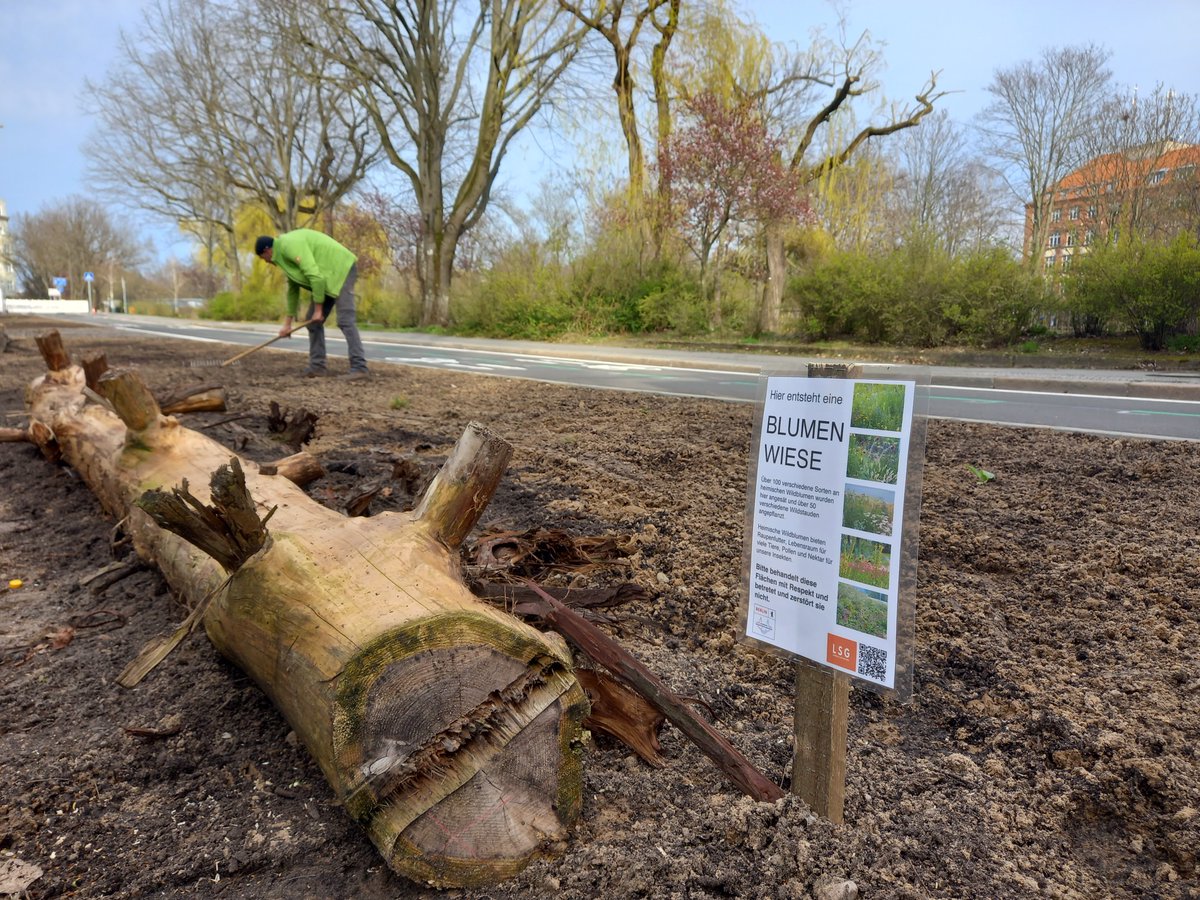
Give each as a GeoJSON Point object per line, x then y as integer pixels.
{"type": "Point", "coordinates": [1136, 404]}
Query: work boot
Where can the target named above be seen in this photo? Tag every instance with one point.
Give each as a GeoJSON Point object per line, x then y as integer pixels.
{"type": "Point", "coordinates": [356, 375]}
{"type": "Point", "coordinates": [315, 373]}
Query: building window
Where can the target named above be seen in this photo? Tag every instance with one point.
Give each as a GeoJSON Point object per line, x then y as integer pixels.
{"type": "Point", "coordinates": [1091, 212]}
{"type": "Point", "coordinates": [1056, 215]}
{"type": "Point", "coordinates": [1088, 237]}
{"type": "Point", "coordinates": [1184, 173]}
{"type": "Point", "coordinates": [1074, 212]}
{"type": "Point", "coordinates": [1066, 262]}
{"type": "Point", "coordinates": [1055, 239]}
{"type": "Point", "coordinates": [1050, 262]}
{"type": "Point", "coordinates": [1071, 239]}
{"type": "Point", "coordinates": [1157, 177]}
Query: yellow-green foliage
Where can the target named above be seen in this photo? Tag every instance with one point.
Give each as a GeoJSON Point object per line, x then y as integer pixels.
{"type": "Point", "coordinates": [386, 309]}
{"type": "Point", "coordinates": [917, 295]}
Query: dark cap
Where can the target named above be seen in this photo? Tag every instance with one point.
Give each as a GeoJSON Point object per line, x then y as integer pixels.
{"type": "Point", "coordinates": [264, 241]}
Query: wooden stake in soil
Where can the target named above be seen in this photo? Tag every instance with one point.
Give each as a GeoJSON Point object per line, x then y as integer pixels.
{"type": "Point", "coordinates": [822, 712]}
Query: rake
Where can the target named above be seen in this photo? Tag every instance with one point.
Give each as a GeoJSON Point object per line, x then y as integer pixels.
{"type": "Point", "coordinates": [205, 363]}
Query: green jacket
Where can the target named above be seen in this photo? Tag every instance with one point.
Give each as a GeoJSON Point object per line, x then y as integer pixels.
{"type": "Point", "coordinates": [313, 261]}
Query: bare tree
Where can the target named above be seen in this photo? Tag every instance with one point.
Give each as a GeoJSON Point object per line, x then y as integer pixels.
{"type": "Point", "coordinates": [833, 75]}
{"type": "Point", "coordinates": [1137, 181]}
{"type": "Point", "coordinates": [70, 238]}
{"type": "Point", "coordinates": [943, 191]}
{"type": "Point", "coordinates": [209, 108]}
{"type": "Point", "coordinates": [621, 26]}
{"type": "Point", "coordinates": [461, 81]}
{"type": "Point", "coordinates": [1036, 125]}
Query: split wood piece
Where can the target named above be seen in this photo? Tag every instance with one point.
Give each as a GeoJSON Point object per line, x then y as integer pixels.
{"type": "Point", "coordinates": [623, 714]}
{"type": "Point", "coordinates": [632, 672]}
{"type": "Point", "coordinates": [197, 398]}
{"type": "Point", "coordinates": [300, 468]}
{"type": "Point", "coordinates": [429, 712]}
{"type": "Point", "coordinates": [226, 421]}
{"type": "Point", "coordinates": [93, 367]}
{"type": "Point", "coordinates": [15, 435]}
{"type": "Point", "coordinates": [230, 530]}
{"type": "Point", "coordinates": [53, 352]}
{"type": "Point", "coordinates": [110, 575]}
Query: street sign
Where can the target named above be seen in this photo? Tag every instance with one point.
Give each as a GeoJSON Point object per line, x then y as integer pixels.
{"type": "Point", "coordinates": [60, 282]}
{"type": "Point", "coordinates": [88, 276]}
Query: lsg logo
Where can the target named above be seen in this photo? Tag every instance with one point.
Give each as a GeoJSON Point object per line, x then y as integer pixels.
{"type": "Point", "coordinates": [840, 651]}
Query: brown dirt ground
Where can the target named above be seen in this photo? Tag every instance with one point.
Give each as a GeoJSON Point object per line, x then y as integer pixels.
{"type": "Point", "coordinates": [1049, 748]}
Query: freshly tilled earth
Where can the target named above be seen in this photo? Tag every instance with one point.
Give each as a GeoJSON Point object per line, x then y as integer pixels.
{"type": "Point", "coordinates": [1049, 748]}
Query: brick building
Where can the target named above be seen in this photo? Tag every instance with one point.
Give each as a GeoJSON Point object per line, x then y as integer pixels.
{"type": "Point", "coordinates": [1153, 191]}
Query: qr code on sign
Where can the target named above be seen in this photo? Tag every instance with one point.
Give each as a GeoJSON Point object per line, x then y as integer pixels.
{"type": "Point", "coordinates": [872, 662]}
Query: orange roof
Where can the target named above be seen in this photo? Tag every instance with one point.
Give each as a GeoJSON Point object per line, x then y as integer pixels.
{"type": "Point", "coordinates": [1115, 166]}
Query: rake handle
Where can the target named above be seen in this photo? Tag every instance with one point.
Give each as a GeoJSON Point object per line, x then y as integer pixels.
{"type": "Point", "coordinates": [266, 343]}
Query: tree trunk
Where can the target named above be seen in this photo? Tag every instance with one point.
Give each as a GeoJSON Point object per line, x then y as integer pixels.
{"type": "Point", "coordinates": [449, 730]}
{"type": "Point", "coordinates": [435, 268]}
{"type": "Point", "coordinates": [772, 298]}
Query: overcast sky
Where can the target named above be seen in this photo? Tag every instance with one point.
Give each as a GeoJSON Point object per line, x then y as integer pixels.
{"type": "Point", "coordinates": [48, 48]}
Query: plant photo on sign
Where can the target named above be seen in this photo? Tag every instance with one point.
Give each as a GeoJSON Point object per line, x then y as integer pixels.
{"type": "Point", "coordinates": [873, 458]}
{"type": "Point", "coordinates": [862, 610]}
{"type": "Point", "coordinates": [877, 406]}
{"type": "Point", "coordinates": [868, 509]}
{"type": "Point", "coordinates": [865, 561]}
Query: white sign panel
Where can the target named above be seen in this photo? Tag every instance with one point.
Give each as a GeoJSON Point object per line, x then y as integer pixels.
{"type": "Point", "coordinates": [825, 535]}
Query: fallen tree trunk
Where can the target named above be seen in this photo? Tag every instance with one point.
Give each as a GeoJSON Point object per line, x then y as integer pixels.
{"type": "Point", "coordinates": [450, 730]}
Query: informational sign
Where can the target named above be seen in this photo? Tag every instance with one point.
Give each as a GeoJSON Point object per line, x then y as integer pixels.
{"type": "Point", "coordinates": [826, 534]}
{"type": "Point", "coordinates": [60, 282]}
{"type": "Point", "coordinates": [88, 276]}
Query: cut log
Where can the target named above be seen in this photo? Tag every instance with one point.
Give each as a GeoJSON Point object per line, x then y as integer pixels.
{"type": "Point", "coordinates": [449, 730]}
{"type": "Point", "coordinates": [197, 398]}
{"type": "Point", "coordinates": [15, 435]}
{"type": "Point", "coordinates": [300, 468]}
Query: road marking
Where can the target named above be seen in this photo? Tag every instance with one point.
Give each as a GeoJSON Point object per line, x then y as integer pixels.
{"type": "Point", "coordinates": [1152, 412]}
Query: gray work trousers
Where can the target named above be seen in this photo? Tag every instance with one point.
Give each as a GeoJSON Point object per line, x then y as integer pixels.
{"type": "Point", "coordinates": [347, 321]}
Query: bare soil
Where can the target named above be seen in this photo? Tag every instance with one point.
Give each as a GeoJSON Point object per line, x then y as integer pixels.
{"type": "Point", "coordinates": [1049, 748]}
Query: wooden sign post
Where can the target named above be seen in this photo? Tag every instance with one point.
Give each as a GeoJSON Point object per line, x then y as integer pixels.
{"type": "Point", "coordinates": [829, 558]}
{"type": "Point", "coordinates": [819, 760]}
{"type": "Point", "coordinates": [822, 711]}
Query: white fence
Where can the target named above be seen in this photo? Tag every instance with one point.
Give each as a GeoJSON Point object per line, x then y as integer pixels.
{"type": "Point", "coordinates": [43, 307]}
